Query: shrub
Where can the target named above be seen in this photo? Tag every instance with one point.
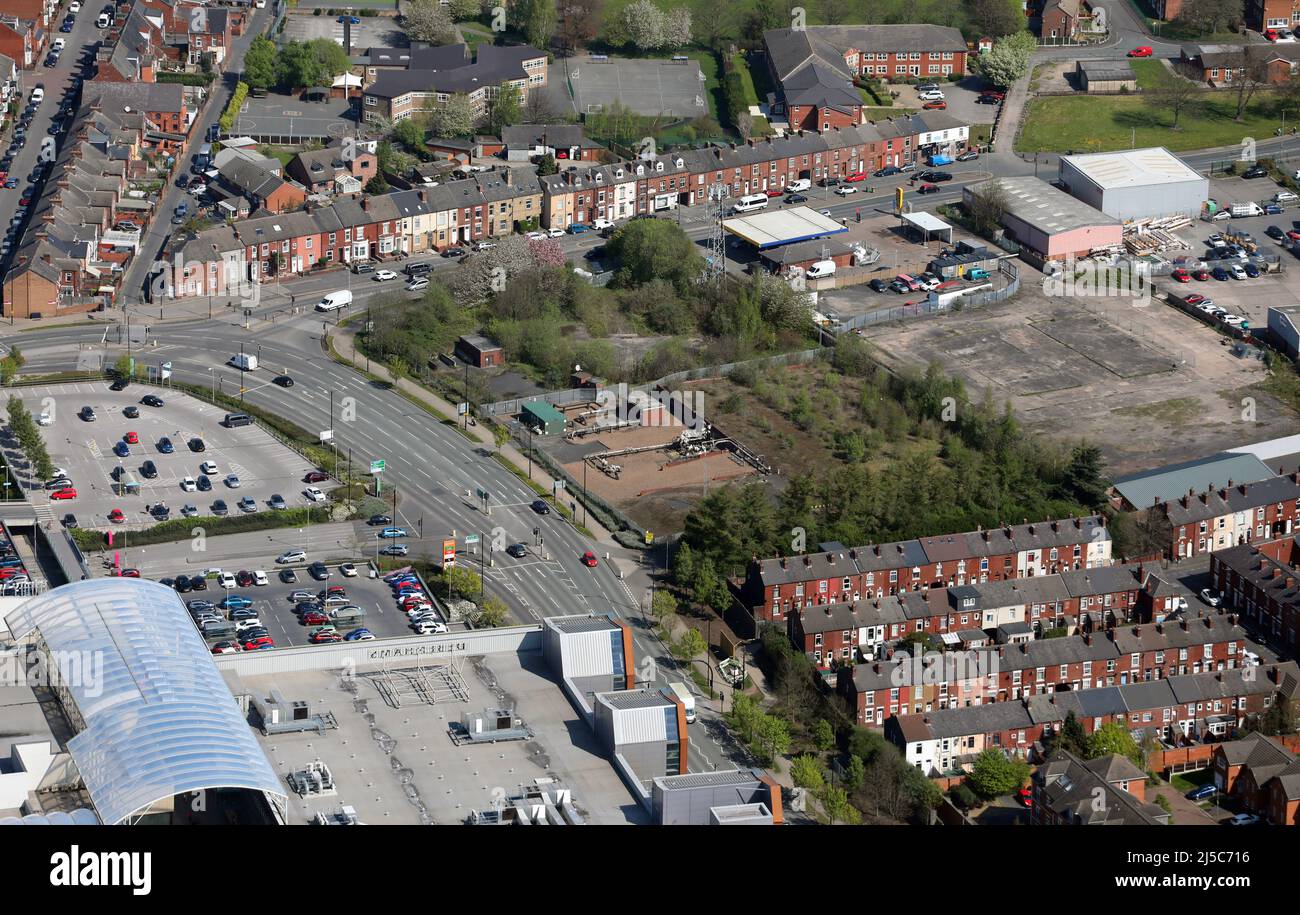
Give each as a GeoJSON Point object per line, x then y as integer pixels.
{"type": "Point", "coordinates": [963, 797]}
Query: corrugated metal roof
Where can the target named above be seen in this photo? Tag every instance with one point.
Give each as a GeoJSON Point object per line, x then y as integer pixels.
{"type": "Point", "coordinates": [1173, 481]}
{"type": "Point", "coordinates": [1133, 168]}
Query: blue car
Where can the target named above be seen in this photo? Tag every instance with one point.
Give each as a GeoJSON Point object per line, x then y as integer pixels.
{"type": "Point", "coordinates": [356, 20]}
{"type": "Point", "coordinates": [578, 228]}
{"type": "Point", "coordinates": [11, 183]}
{"type": "Point", "coordinates": [1201, 793]}
{"type": "Point", "coordinates": [1272, 209]}
{"type": "Point", "coordinates": [391, 532]}
{"type": "Point", "coordinates": [165, 446]}
{"type": "Point", "coordinates": [356, 635]}
{"type": "Point", "coordinates": [66, 27]}
{"type": "Point", "coordinates": [121, 449]}
{"type": "Point", "coordinates": [235, 602]}
{"type": "Point", "coordinates": [1220, 274]}
{"type": "Point", "coordinates": [1251, 270]}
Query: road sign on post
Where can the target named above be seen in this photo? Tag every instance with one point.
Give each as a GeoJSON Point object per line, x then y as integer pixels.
{"type": "Point", "coordinates": [449, 553]}
{"type": "Point", "coordinates": [376, 466]}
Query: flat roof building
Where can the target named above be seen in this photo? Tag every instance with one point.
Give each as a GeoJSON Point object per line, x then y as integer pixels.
{"type": "Point", "coordinates": [1048, 221]}
{"type": "Point", "coordinates": [1135, 183]}
{"type": "Point", "coordinates": [782, 227]}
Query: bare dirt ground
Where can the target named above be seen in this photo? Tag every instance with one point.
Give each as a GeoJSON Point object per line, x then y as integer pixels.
{"type": "Point", "coordinates": [1148, 385]}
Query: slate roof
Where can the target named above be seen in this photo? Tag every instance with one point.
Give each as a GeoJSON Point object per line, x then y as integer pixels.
{"type": "Point", "coordinates": [1167, 483]}
{"type": "Point", "coordinates": [1070, 788]}
{"type": "Point", "coordinates": [443, 69]}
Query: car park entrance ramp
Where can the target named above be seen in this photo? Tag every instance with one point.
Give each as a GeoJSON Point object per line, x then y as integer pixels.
{"type": "Point", "coordinates": [782, 227]}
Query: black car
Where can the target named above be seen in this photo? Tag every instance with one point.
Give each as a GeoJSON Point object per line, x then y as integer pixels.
{"type": "Point", "coordinates": [829, 181]}
{"type": "Point", "coordinates": [119, 384]}
{"type": "Point", "coordinates": [887, 172]}
{"type": "Point", "coordinates": [928, 189]}
{"type": "Point", "coordinates": [198, 583]}
{"type": "Point", "coordinates": [283, 381]}
{"type": "Point", "coordinates": [796, 198]}
{"type": "Point", "coordinates": [934, 177]}
{"type": "Point", "coordinates": [878, 285]}
{"type": "Point", "coordinates": [455, 252]}
{"type": "Point", "coordinates": [183, 584]}
{"type": "Point", "coordinates": [540, 507]}
{"type": "Point", "coordinates": [220, 509]}
{"type": "Point", "coordinates": [987, 100]}
{"type": "Point", "coordinates": [203, 484]}
{"type": "Point", "coordinates": [149, 470]}
{"type": "Point", "coordinates": [160, 512]}
{"type": "Point", "coordinates": [131, 413]}
{"type": "Point", "coordinates": [197, 446]}
{"type": "Point", "coordinates": [182, 181]}
{"type": "Point", "coordinates": [70, 521]}
{"type": "Point", "coordinates": [517, 550]}
{"type": "Point", "coordinates": [318, 571]}
{"type": "Point", "coordinates": [151, 400]}
{"type": "Point", "coordinates": [1255, 171]}
{"type": "Point", "coordinates": [1275, 232]}
{"type": "Point", "coordinates": [376, 520]}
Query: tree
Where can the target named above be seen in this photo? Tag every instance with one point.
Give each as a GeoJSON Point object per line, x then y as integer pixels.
{"type": "Point", "coordinates": [124, 367]}
{"type": "Point", "coordinates": [453, 118]}
{"type": "Point", "coordinates": [645, 25]}
{"type": "Point", "coordinates": [1003, 65]}
{"type": "Point", "coordinates": [995, 774]}
{"type": "Point", "coordinates": [377, 185]}
{"type": "Point", "coordinates": [986, 208]}
{"type": "Point", "coordinates": [824, 735]}
{"type": "Point", "coordinates": [690, 646]}
{"type": "Point", "coordinates": [409, 133]}
{"type": "Point", "coordinates": [773, 736]}
{"type": "Point", "coordinates": [1084, 480]}
{"type": "Point", "coordinates": [1071, 737]}
{"type": "Point", "coordinates": [684, 564]}
{"type": "Point", "coordinates": [507, 109]}
{"type": "Point", "coordinates": [663, 606]}
{"type": "Point", "coordinates": [297, 67]}
{"type": "Point", "coordinates": [676, 32]}
{"type": "Point", "coordinates": [1113, 738]}
{"type": "Point", "coordinates": [579, 23]}
{"type": "Point", "coordinates": [835, 803]}
{"type": "Point", "coordinates": [996, 18]}
{"type": "Point", "coordinates": [1209, 16]}
{"type": "Point", "coordinates": [330, 57]}
{"type": "Point", "coordinates": [1247, 81]}
{"type": "Point", "coordinates": [807, 772]}
{"type": "Point", "coordinates": [1174, 94]}
{"type": "Point", "coordinates": [547, 166]}
{"type": "Point", "coordinates": [259, 63]}
{"type": "Point", "coordinates": [855, 774]}
{"type": "Point", "coordinates": [493, 614]}
{"type": "Point", "coordinates": [538, 109]}
{"type": "Point", "coordinates": [650, 249]}
{"type": "Point", "coordinates": [538, 22]}
{"type": "Point", "coordinates": [460, 10]}
{"type": "Point", "coordinates": [463, 582]}
{"type": "Point", "coordinates": [834, 11]}
{"type": "Point", "coordinates": [428, 20]}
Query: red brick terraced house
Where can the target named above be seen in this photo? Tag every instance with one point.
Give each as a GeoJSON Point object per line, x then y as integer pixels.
{"type": "Point", "coordinates": [1191, 708]}
{"type": "Point", "coordinates": [1216, 519]}
{"type": "Point", "coordinates": [1262, 775]}
{"type": "Point", "coordinates": [1262, 584]}
{"type": "Point", "coordinates": [774, 587]}
{"type": "Point", "coordinates": [905, 684]}
{"type": "Point", "coordinates": [20, 41]}
{"type": "Point", "coordinates": [1066, 790]}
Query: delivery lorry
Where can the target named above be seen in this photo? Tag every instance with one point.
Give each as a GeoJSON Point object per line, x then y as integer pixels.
{"type": "Point", "coordinates": [679, 692]}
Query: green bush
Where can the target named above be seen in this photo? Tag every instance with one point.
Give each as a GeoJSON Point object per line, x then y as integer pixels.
{"type": "Point", "coordinates": [963, 797]}
{"type": "Point", "coordinates": [186, 79]}
{"type": "Point", "coordinates": [180, 529]}
{"type": "Point", "coordinates": [236, 102]}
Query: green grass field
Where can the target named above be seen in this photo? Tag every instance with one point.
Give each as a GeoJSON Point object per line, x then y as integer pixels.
{"type": "Point", "coordinates": [1105, 123]}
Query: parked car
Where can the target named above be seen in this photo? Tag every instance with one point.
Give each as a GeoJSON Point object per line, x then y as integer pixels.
{"type": "Point", "coordinates": [1201, 793]}
{"type": "Point", "coordinates": [1141, 51]}
{"type": "Point", "coordinates": [1255, 171]}
{"type": "Point", "coordinates": [1211, 597]}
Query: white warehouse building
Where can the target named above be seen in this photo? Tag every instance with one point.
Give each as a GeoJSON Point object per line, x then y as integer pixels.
{"type": "Point", "coordinates": [1135, 183]}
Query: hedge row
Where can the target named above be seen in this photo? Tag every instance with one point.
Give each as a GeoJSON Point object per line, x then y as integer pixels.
{"type": "Point", "coordinates": [180, 529]}
{"type": "Point", "coordinates": [185, 79]}
{"type": "Point", "coordinates": [236, 102]}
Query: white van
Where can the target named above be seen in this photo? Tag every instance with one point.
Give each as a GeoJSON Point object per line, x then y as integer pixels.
{"type": "Point", "coordinates": [802, 184]}
{"type": "Point", "coordinates": [820, 269]}
{"type": "Point", "coordinates": [335, 300]}
{"type": "Point", "coordinates": [1246, 209]}
{"type": "Point", "coordinates": [750, 203]}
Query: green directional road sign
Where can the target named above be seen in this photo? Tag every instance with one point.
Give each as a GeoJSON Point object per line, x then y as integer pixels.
{"type": "Point", "coordinates": [376, 466]}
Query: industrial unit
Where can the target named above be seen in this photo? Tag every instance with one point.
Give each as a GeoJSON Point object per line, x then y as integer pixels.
{"type": "Point", "coordinates": [1135, 183]}
{"type": "Point", "coordinates": [1049, 222]}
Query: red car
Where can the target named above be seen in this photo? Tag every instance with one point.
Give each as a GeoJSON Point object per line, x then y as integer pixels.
{"type": "Point", "coordinates": [66, 492]}
{"type": "Point", "coordinates": [313, 618]}
{"type": "Point", "coordinates": [1201, 274]}
{"type": "Point", "coordinates": [935, 106]}
{"type": "Point", "coordinates": [1270, 34]}
{"type": "Point", "coordinates": [321, 638]}
{"type": "Point", "coordinates": [116, 516]}
{"type": "Point", "coordinates": [129, 573]}
{"type": "Point", "coordinates": [4, 176]}
{"type": "Point", "coordinates": [131, 438]}
{"type": "Point", "coordinates": [1293, 235]}
{"type": "Point", "coordinates": [262, 641]}
{"type": "Point", "coordinates": [1181, 276]}
{"type": "Point", "coordinates": [407, 587]}
{"type": "Point", "coordinates": [1194, 299]}
{"type": "Point", "coordinates": [1143, 51]}
{"type": "Point", "coordinates": [859, 176]}
{"type": "Point", "coordinates": [225, 648]}
{"type": "Point", "coordinates": [1026, 797]}
{"type": "Point", "coordinates": [10, 572]}
{"type": "Point", "coordinates": [994, 93]}
{"type": "Point", "coordinates": [589, 559]}
{"type": "Point", "coordinates": [316, 476]}
{"type": "Point", "coordinates": [243, 578]}
{"type": "Point", "coordinates": [337, 589]}
{"type": "Point", "coordinates": [774, 192]}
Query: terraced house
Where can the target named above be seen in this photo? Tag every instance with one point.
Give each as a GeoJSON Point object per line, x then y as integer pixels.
{"type": "Point", "coordinates": [1216, 519]}
{"type": "Point", "coordinates": [1177, 710]}
{"type": "Point", "coordinates": [1262, 583]}
{"type": "Point", "coordinates": [775, 587]}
